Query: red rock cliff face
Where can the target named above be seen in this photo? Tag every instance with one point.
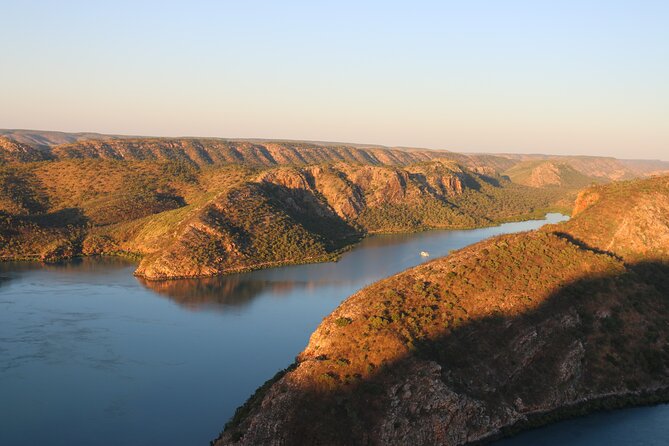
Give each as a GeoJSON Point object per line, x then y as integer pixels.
{"type": "Point", "coordinates": [348, 189]}
{"type": "Point", "coordinates": [220, 151]}
{"type": "Point", "coordinates": [584, 200]}
{"type": "Point", "coordinates": [345, 197]}
{"type": "Point", "coordinates": [319, 205]}
{"type": "Point", "coordinates": [630, 219]}
{"type": "Point", "coordinates": [380, 184]}
{"type": "Point", "coordinates": [444, 178]}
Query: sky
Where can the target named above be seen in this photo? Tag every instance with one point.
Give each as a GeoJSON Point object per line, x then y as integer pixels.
{"type": "Point", "coordinates": [587, 77]}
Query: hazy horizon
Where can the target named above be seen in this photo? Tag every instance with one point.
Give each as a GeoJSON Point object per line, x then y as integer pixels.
{"type": "Point", "coordinates": [316, 141]}
{"type": "Point", "coordinates": [574, 78]}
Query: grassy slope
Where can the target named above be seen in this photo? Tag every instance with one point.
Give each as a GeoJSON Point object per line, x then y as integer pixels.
{"type": "Point", "coordinates": [539, 318]}
{"type": "Point", "coordinates": [560, 174]}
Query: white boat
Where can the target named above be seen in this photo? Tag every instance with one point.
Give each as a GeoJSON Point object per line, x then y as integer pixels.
{"type": "Point", "coordinates": [424, 254]}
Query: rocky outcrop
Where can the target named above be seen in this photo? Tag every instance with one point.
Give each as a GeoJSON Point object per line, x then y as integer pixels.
{"type": "Point", "coordinates": [211, 151]}
{"type": "Point", "coordinates": [629, 219]}
{"type": "Point", "coordinates": [287, 215]}
{"type": "Point", "coordinates": [349, 189]}
{"type": "Point", "coordinates": [189, 222]}
{"type": "Point", "coordinates": [12, 151]}
{"type": "Point", "coordinates": [507, 333]}
{"type": "Point", "coordinates": [584, 200]}
{"type": "Point", "coordinates": [345, 197]}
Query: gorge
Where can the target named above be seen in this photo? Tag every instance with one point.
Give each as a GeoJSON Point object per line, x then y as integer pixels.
{"type": "Point", "coordinates": [509, 333]}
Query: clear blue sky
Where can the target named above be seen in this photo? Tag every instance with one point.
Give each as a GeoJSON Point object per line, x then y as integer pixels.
{"type": "Point", "coordinates": [579, 76]}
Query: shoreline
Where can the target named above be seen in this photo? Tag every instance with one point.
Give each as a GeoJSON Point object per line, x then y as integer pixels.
{"type": "Point", "coordinates": [330, 257]}
{"type": "Point", "coordinates": [600, 404]}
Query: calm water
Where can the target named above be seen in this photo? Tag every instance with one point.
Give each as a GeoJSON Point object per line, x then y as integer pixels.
{"type": "Point", "coordinates": [641, 426]}
{"type": "Point", "coordinates": [91, 355]}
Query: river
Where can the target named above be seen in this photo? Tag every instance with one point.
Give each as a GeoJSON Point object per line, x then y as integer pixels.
{"type": "Point", "coordinates": [89, 354]}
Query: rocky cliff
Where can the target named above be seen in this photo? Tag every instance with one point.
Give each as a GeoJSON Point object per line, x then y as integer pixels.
{"type": "Point", "coordinates": [183, 220]}
{"type": "Point", "coordinates": [214, 151]}
{"type": "Point", "coordinates": [290, 214]}
{"type": "Point", "coordinates": [514, 331]}
{"type": "Point", "coordinates": [168, 200]}
{"type": "Point", "coordinates": [630, 219]}
{"type": "Point", "coordinates": [219, 151]}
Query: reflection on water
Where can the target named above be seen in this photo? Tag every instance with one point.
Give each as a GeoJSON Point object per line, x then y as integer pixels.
{"type": "Point", "coordinates": [91, 355]}
{"type": "Point", "coordinates": [374, 258]}
{"type": "Point", "coordinates": [223, 291]}
{"type": "Point", "coordinates": [78, 266]}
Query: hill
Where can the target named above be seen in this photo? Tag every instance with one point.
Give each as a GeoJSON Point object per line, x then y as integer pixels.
{"type": "Point", "coordinates": [44, 139]}
{"type": "Point", "coordinates": [515, 331]}
{"type": "Point", "coordinates": [11, 150]}
{"type": "Point", "coordinates": [630, 219]}
{"type": "Point", "coordinates": [184, 220]}
{"type": "Point", "coordinates": [204, 151]}
{"type": "Point", "coordinates": [548, 173]}
{"type": "Point", "coordinates": [598, 167]}
{"type": "Point", "coordinates": [184, 206]}
{"type": "Point", "coordinates": [217, 151]}
{"type": "Point", "coordinates": [647, 167]}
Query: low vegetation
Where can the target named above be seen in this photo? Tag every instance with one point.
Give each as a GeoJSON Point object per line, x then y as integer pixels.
{"type": "Point", "coordinates": [185, 217]}
{"type": "Point", "coordinates": [513, 331]}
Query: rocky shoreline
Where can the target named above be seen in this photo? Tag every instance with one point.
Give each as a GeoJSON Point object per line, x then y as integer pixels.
{"type": "Point", "coordinates": [513, 332]}
{"type": "Point", "coordinates": [603, 403]}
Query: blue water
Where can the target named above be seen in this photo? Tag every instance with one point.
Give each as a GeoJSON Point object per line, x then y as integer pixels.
{"type": "Point", "coordinates": [90, 355]}
{"type": "Point", "coordinates": [641, 426]}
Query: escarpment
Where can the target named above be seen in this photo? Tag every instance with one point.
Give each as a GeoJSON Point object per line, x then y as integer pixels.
{"type": "Point", "coordinates": [213, 151]}
{"type": "Point", "coordinates": [183, 220]}
{"type": "Point", "coordinates": [159, 199]}
{"type": "Point", "coordinates": [48, 145]}
{"type": "Point", "coordinates": [292, 215]}
{"type": "Point", "coordinates": [630, 219]}
{"type": "Point", "coordinates": [511, 332]}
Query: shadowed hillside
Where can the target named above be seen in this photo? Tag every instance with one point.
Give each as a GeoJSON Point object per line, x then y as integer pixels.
{"type": "Point", "coordinates": [510, 332]}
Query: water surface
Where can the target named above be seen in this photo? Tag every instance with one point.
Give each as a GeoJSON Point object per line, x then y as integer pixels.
{"type": "Point", "coordinates": [640, 426]}
{"type": "Point", "coordinates": [89, 354]}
